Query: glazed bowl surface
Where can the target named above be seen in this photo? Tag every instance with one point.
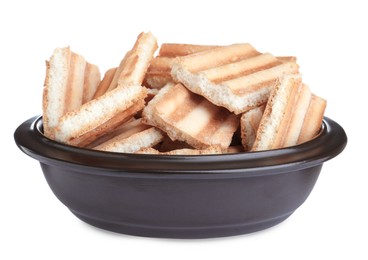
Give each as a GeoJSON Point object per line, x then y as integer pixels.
{"type": "Point", "coordinates": [179, 196]}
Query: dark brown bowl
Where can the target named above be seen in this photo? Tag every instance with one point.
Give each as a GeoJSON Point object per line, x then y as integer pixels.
{"type": "Point", "coordinates": [181, 196]}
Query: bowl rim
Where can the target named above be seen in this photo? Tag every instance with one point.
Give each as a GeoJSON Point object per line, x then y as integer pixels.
{"type": "Point", "coordinates": [327, 144]}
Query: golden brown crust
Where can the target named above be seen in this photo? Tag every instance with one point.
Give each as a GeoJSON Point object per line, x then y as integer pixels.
{"type": "Point", "coordinates": [74, 91]}
{"type": "Point", "coordinates": [105, 83]}
{"type": "Point", "coordinates": [313, 119]}
{"type": "Point", "coordinates": [47, 130]}
{"type": "Point", "coordinates": [284, 127]}
{"type": "Point", "coordinates": [182, 49]}
{"type": "Point", "coordinates": [297, 116]}
{"type": "Point", "coordinates": [287, 58]}
{"type": "Point", "coordinates": [92, 79]}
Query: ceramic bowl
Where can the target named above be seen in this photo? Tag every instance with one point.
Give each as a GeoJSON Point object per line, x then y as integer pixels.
{"type": "Point", "coordinates": [197, 196]}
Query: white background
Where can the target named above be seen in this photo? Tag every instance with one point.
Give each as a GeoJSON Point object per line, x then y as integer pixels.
{"type": "Point", "coordinates": [328, 37]}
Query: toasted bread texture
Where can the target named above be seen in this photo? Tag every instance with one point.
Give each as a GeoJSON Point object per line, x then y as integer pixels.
{"type": "Point", "coordinates": [313, 119]}
{"type": "Point", "coordinates": [105, 82]}
{"type": "Point", "coordinates": [188, 100]}
{"type": "Point", "coordinates": [134, 65]}
{"type": "Point", "coordinates": [236, 77]}
{"type": "Point", "coordinates": [133, 136]}
{"type": "Point", "coordinates": [70, 81]}
{"type": "Point", "coordinates": [249, 123]}
{"type": "Point", "coordinates": [277, 114]}
{"type": "Point", "coordinates": [188, 117]}
{"type": "Point", "coordinates": [115, 104]}
{"type": "Point", "coordinates": [98, 112]}
{"type": "Point", "coordinates": [159, 71]}
{"type": "Point", "coordinates": [92, 79]}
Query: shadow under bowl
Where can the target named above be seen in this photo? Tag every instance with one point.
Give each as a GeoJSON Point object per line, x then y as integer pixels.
{"type": "Point", "coordinates": [181, 196]}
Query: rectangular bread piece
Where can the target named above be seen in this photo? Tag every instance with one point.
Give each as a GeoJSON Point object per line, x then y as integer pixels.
{"type": "Point", "coordinates": [100, 115]}
{"type": "Point", "coordinates": [313, 119]}
{"type": "Point", "coordinates": [132, 137]}
{"type": "Point", "coordinates": [278, 113]}
{"type": "Point", "coordinates": [236, 77]}
{"type": "Point", "coordinates": [63, 87]}
{"type": "Point", "coordinates": [188, 117]}
{"type": "Point", "coordinates": [159, 71]}
{"type": "Point", "coordinates": [105, 82]}
{"type": "Point", "coordinates": [92, 79]}
{"type": "Point", "coordinates": [134, 65]}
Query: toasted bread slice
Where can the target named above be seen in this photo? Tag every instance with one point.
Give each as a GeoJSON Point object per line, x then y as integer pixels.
{"type": "Point", "coordinates": [132, 137]}
{"type": "Point", "coordinates": [92, 78]}
{"type": "Point", "coordinates": [69, 82]}
{"type": "Point", "coordinates": [303, 98]}
{"type": "Point", "coordinates": [188, 117]}
{"type": "Point", "coordinates": [236, 77]}
{"type": "Point", "coordinates": [110, 134]}
{"type": "Point", "coordinates": [134, 65]}
{"type": "Point", "coordinates": [276, 117]}
{"type": "Point", "coordinates": [75, 86]}
{"type": "Point", "coordinates": [105, 82]}
{"type": "Point", "coordinates": [110, 125]}
{"type": "Point", "coordinates": [249, 123]}
{"type": "Point", "coordinates": [159, 71]}
{"type": "Point", "coordinates": [100, 115]}
{"type": "Point", "coordinates": [313, 119]}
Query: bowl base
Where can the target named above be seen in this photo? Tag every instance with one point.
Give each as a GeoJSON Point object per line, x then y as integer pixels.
{"type": "Point", "coordinates": [181, 232]}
